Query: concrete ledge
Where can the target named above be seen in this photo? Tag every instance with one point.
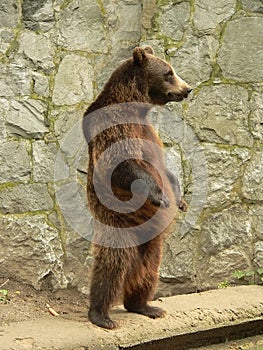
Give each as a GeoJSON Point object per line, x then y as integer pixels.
{"type": "Point", "coordinates": [204, 317]}
{"type": "Point", "coordinates": [203, 337]}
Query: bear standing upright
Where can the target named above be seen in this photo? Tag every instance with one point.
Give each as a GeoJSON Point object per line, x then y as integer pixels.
{"type": "Point", "coordinates": [131, 194]}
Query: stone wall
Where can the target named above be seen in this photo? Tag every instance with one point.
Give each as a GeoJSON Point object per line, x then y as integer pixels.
{"type": "Point", "coordinates": [55, 56]}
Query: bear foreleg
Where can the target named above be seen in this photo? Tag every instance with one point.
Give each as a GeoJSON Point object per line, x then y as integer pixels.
{"type": "Point", "coordinates": [131, 170]}
{"type": "Point", "coordinates": [180, 201]}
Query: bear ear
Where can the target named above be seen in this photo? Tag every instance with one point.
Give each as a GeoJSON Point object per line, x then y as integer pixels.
{"type": "Point", "coordinates": [139, 56]}
{"type": "Point", "coordinates": [149, 49]}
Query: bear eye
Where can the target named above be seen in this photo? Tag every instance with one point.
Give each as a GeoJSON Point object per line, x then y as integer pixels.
{"type": "Point", "coordinates": [169, 73]}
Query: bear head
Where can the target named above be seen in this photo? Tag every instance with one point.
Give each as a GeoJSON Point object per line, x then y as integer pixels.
{"type": "Point", "coordinates": [163, 84]}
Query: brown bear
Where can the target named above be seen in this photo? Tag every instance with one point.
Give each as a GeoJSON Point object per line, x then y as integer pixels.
{"type": "Point", "coordinates": [131, 194]}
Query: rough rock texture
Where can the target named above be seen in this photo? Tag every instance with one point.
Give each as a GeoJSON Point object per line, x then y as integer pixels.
{"type": "Point", "coordinates": [226, 242]}
{"type": "Point", "coordinates": [37, 48]}
{"type": "Point", "coordinates": [9, 13]}
{"type": "Point", "coordinates": [174, 20]}
{"type": "Point", "coordinates": [27, 119]}
{"type": "Point", "coordinates": [15, 80]}
{"type": "Point", "coordinates": [14, 168]}
{"type": "Point", "coordinates": [55, 57]}
{"type": "Point", "coordinates": [223, 175]}
{"type": "Point", "coordinates": [203, 50]}
{"type": "Point", "coordinates": [43, 159]}
{"type": "Point", "coordinates": [219, 114]}
{"type": "Point", "coordinates": [255, 122]}
{"type": "Point", "coordinates": [207, 14]}
{"type": "Point", "coordinates": [81, 26]}
{"type": "Point", "coordinates": [31, 251]}
{"type": "Point", "coordinates": [38, 15]}
{"type": "Point", "coordinates": [253, 177]}
{"type": "Point", "coordinates": [26, 197]}
{"type": "Point", "coordinates": [73, 82]}
{"type": "Point", "coordinates": [240, 56]}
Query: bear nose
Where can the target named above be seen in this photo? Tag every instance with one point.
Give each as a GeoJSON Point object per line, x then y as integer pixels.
{"type": "Point", "coordinates": [189, 90]}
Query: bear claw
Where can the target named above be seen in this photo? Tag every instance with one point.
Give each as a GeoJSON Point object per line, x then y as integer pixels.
{"type": "Point", "coordinates": [100, 320]}
{"type": "Point", "coordinates": [149, 311]}
{"type": "Point", "coordinates": [183, 205]}
{"type": "Point", "coordinates": [162, 202]}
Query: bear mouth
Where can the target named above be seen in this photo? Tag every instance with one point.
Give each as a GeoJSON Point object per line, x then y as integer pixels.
{"type": "Point", "coordinates": [176, 97]}
{"type": "Point", "coordinates": [179, 98]}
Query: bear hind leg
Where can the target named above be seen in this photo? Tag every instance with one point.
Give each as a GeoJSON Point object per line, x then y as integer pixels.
{"type": "Point", "coordinates": [140, 284]}
{"type": "Point", "coordinates": [137, 301]}
{"type": "Point", "coordinates": [106, 281]}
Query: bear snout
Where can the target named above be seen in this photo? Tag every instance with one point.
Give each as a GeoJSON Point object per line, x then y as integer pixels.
{"type": "Point", "coordinates": [180, 88]}
{"type": "Point", "coordinates": [187, 91]}
{"type": "Point", "coordinates": [179, 95]}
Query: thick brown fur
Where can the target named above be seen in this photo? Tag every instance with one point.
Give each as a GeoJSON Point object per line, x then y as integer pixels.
{"type": "Point", "coordinates": [127, 256]}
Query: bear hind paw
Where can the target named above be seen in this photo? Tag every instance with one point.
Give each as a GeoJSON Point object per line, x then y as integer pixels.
{"type": "Point", "coordinates": [149, 311]}
{"type": "Point", "coordinates": [101, 320]}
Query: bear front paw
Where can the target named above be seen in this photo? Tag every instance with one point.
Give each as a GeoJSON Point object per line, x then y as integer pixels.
{"type": "Point", "coordinates": [160, 200]}
{"type": "Point", "coordinates": [183, 205]}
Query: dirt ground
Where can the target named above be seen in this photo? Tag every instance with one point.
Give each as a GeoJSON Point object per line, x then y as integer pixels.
{"type": "Point", "coordinates": [27, 322]}
{"type": "Point", "coordinates": [26, 303]}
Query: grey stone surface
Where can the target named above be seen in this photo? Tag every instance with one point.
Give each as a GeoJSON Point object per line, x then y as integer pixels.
{"type": "Point", "coordinates": [224, 230]}
{"type": "Point", "coordinates": [256, 215]}
{"type": "Point", "coordinates": [209, 14]}
{"type": "Point", "coordinates": [4, 106]}
{"type": "Point", "coordinates": [223, 174]}
{"type": "Point", "coordinates": [124, 28]}
{"type": "Point", "coordinates": [241, 56]}
{"type": "Point", "coordinates": [219, 114]}
{"type": "Point", "coordinates": [41, 84]}
{"type": "Point", "coordinates": [66, 120]}
{"type": "Point", "coordinates": [256, 119]}
{"type": "Point", "coordinates": [253, 6]}
{"type": "Point", "coordinates": [71, 197]}
{"type": "Point", "coordinates": [73, 82]}
{"type": "Point", "coordinates": [15, 80]}
{"type": "Point", "coordinates": [15, 164]}
{"type": "Point", "coordinates": [174, 20]}
{"type": "Point", "coordinates": [6, 37]}
{"type": "Point", "coordinates": [179, 271]}
{"type": "Point", "coordinates": [27, 119]}
{"type": "Point", "coordinates": [220, 267]}
{"type": "Point", "coordinates": [149, 9]}
{"type": "Point", "coordinates": [128, 24]}
{"type": "Point", "coordinates": [31, 251]}
{"type": "Point", "coordinates": [9, 13]}
{"type": "Point", "coordinates": [38, 15]}
{"type": "Point", "coordinates": [81, 27]}
{"type": "Point", "coordinates": [43, 161]}
{"type": "Point", "coordinates": [258, 259]}
{"type": "Point", "coordinates": [253, 177]}
{"type": "Point", "coordinates": [77, 264]}
{"type": "Point", "coordinates": [25, 198]}
{"type": "Point", "coordinates": [225, 245]}
{"type": "Point", "coordinates": [37, 48]}
{"type": "Point", "coordinates": [203, 51]}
